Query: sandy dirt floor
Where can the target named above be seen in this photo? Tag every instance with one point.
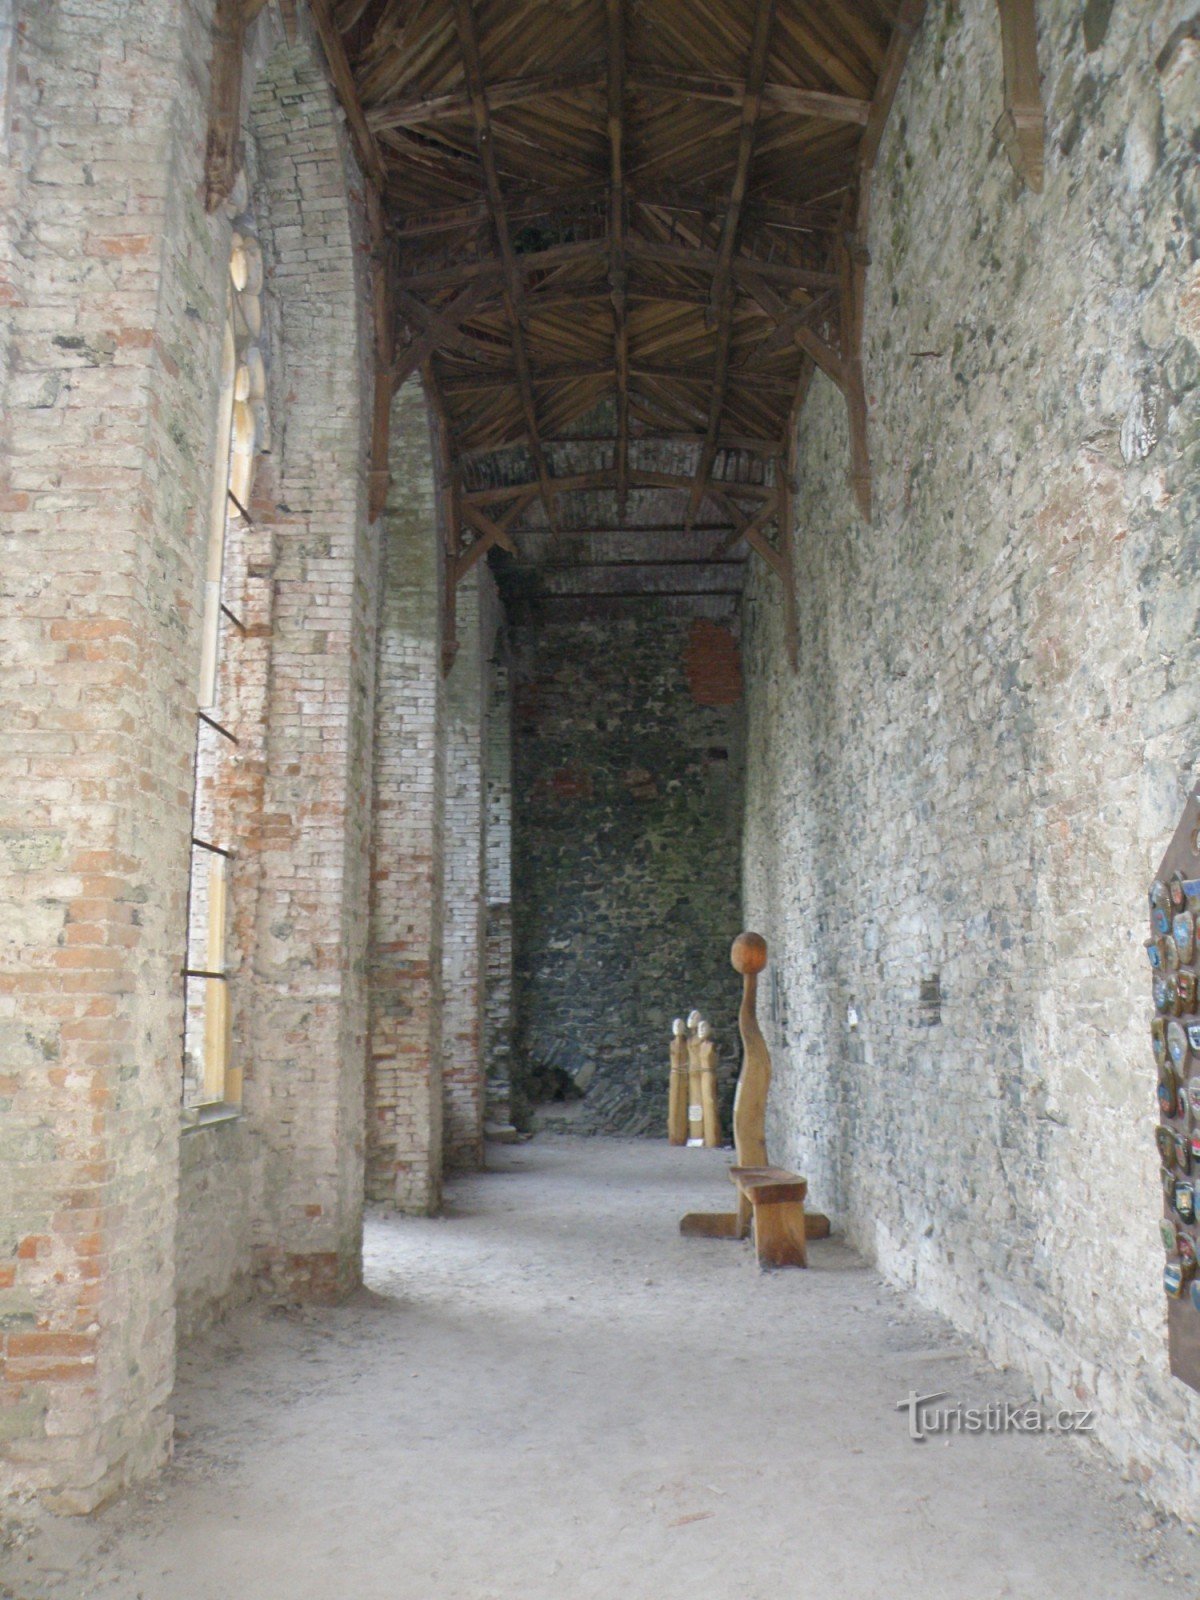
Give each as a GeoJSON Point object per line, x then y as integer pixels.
{"type": "Point", "coordinates": [549, 1393]}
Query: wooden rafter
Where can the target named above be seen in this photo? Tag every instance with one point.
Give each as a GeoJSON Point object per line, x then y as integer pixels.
{"type": "Point", "coordinates": [468, 40]}
{"type": "Point", "coordinates": [617, 271]}
{"type": "Point", "coordinates": [723, 265]}
{"type": "Point", "coordinates": [539, 88]}
{"type": "Point", "coordinates": [606, 478]}
{"type": "Point", "coordinates": [692, 258]}
{"type": "Point", "coordinates": [494, 377]}
{"type": "Point", "coordinates": [1022, 127]}
{"type": "Point", "coordinates": [436, 330]}
{"type": "Point", "coordinates": [225, 101]}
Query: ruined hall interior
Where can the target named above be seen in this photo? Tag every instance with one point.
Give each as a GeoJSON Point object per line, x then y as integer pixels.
{"type": "Point", "coordinates": [500, 498]}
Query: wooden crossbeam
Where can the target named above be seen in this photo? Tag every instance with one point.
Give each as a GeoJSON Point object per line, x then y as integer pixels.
{"type": "Point", "coordinates": [491, 377]}
{"type": "Point", "coordinates": [617, 272]}
{"type": "Point", "coordinates": [676, 254]}
{"type": "Point", "coordinates": [647, 82]}
{"type": "Point", "coordinates": [722, 267]}
{"type": "Point", "coordinates": [526, 205]}
{"type": "Point", "coordinates": [225, 101]}
{"type": "Point", "coordinates": [437, 330]}
{"type": "Point", "coordinates": [1022, 127]}
{"type": "Point", "coordinates": [606, 478]}
{"type": "Point", "coordinates": [468, 40]}
{"type": "Point", "coordinates": [783, 335]}
{"type": "Point", "coordinates": [782, 314]}
{"type": "Point", "coordinates": [361, 135]}
{"type": "Point", "coordinates": [750, 444]}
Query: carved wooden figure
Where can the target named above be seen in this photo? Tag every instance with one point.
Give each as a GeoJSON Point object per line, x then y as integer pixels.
{"type": "Point", "coordinates": [695, 1109]}
{"type": "Point", "coordinates": [677, 1102]}
{"type": "Point", "coordinates": [769, 1196]}
{"type": "Point", "coordinates": [749, 957]}
{"type": "Point", "coordinates": [707, 1052]}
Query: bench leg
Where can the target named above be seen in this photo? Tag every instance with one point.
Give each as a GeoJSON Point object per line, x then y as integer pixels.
{"type": "Point", "coordinates": [779, 1237]}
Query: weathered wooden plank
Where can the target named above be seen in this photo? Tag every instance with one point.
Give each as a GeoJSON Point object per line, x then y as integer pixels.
{"type": "Point", "coordinates": [225, 101]}
{"type": "Point", "coordinates": [1022, 127]}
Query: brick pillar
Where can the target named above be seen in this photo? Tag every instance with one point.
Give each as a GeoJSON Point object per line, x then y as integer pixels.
{"type": "Point", "coordinates": [404, 1091]}
{"type": "Point", "coordinates": [498, 932]}
{"type": "Point", "coordinates": [463, 917]}
{"type": "Point", "coordinates": [304, 1089]}
{"type": "Point", "coordinates": [107, 411]}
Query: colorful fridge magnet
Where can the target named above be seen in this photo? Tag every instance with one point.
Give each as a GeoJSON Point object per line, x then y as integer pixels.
{"type": "Point", "coordinates": [1185, 1200]}
{"type": "Point", "coordinates": [1183, 931]}
{"type": "Point", "coordinates": [1165, 1140]}
{"type": "Point", "coordinates": [1158, 1039]}
{"type": "Point", "coordinates": [1169, 1235]}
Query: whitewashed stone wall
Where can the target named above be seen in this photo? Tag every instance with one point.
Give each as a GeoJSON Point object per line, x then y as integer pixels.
{"type": "Point", "coordinates": [997, 716]}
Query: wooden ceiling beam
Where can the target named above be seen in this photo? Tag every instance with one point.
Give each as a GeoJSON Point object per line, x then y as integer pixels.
{"type": "Point", "coordinates": [528, 205]}
{"type": "Point", "coordinates": [436, 330]}
{"type": "Point", "coordinates": [468, 39]}
{"type": "Point", "coordinates": [1022, 128]}
{"type": "Point", "coordinates": [749, 444]}
{"type": "Point", "coordinates": [491, 377]}
{"type": "Point", "coordinates": [720, 306]}
{"type": "Point", "coordinates": [605, 478]}
{"type": "Point", "coordinates": [649, 82]}
{"type": "Point", "coordinates": [617, 270]}
{"type": "Point", "coordinates": [692, 258]}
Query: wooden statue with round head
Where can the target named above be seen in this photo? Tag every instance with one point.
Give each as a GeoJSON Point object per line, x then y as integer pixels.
{"type": "Point", "coordinates": [677, 1102]}
{"type": "Point", "coordinates": [749, 957]}
{"type": "Point", "coordinates": [708, 1086]}
{"type": "Point", "coordinates": [695, 1110]}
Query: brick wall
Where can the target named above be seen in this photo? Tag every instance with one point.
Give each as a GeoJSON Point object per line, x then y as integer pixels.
{"type": "Point", "coordinates": [307, 1042]}
{"type": "Point", "coordinates": [110, 278]}
{"type": "Point", "coordinates": [498, 933]}
{"type": "Point", "coordinates": [626, 843]}
{"type": "Point", "coordinates": [995, 720]}
{"type": "Point", "coordinates": [404, 1131]}
{"type": "Point", "coordinates": [463, 955]}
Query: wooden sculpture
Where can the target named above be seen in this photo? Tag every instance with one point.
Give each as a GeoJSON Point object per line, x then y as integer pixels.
{"type": "Point", "coordinates": [749, 957]}
{"type": "Point", "coordinates": [677, 1102]}
{"type": "Point", "coordinates": [770, 1198]}
{"type": "Point", "coordinates": [695, 1109]}
{"type": "Point", "coordinates": [707, 1052]}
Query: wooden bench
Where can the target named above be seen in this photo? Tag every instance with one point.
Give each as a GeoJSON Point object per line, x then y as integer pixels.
{"type": "Point", "coordinates": [776, 1201]}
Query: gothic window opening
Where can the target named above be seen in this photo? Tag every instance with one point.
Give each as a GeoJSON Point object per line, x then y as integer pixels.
{"type": "Point", "coordinates": [212, 1072]}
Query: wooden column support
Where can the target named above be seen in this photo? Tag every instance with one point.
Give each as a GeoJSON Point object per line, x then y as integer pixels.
{"type": "Point", "coordinates": [1022, 126]}
{"type": "Point", "coordinates": [225, 101]}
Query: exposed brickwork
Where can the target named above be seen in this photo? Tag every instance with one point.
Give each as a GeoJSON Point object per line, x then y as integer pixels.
{"type": "Point", "coordinates": [463, 957]}
{"type": "Point", "coordinates": [498, 795]}
{"type": "Point", "coordinates": [404, 1143]}
{"type": "Point", "coordinates": [110, 281]}
{"type": "Point", "coordinates": [625, 859]}
{"type": "Point", "coordinates": [713, 664]}
{"type": "Point", "coordinates": [995, 721]}
{"type": "Point", "coordinates": [305, 1075]}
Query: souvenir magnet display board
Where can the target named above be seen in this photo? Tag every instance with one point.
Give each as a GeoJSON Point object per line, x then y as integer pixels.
{"type": "Point", "coordinates": [1175, 1041]}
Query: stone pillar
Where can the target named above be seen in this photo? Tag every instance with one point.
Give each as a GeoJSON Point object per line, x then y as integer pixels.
{"type": "Point", "coordinates": [305, 1086]}
{"type": "Point", "coordinates": [109, 373]}
{"type": "Point", "coordinates": [498, 932]}
{"type": "Point", "coordinates": [404, 1090]}
{"type": "Point", "coordinates": [462, 934]}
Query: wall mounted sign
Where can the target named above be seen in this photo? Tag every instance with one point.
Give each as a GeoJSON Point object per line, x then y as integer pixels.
{"type": "Point", "coordinates": [1173, 950]}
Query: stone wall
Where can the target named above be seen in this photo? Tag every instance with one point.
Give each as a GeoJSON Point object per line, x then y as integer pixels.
{"type": "Point", "coordinates": [956, 806]}
{"type": "Point", "coordinates": [626, 844]}
{"type": "Point", "coordinates": [498, 927]}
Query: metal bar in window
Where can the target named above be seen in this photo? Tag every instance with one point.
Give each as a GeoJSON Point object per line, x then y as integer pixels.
{"type": "Point", "coordinates": [239, 507]}
{"type": "Point", "coordinates": [217, 850]}
{"type": "Point", "coordinates": [233, 617]}
{"type": "Point", "coordinates": [213, 723]}
{"type": "Point", "coordinates": [200, 972]}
